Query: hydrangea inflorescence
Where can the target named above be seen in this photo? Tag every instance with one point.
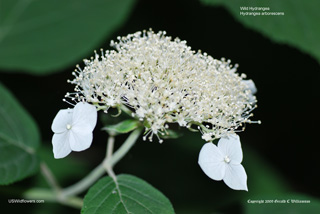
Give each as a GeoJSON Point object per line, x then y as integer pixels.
{"type": "Point", "coordinates": [163, 81]}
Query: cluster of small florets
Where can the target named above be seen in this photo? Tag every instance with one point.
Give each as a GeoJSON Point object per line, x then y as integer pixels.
{"type": "Point", "coordinates": [163, 81]}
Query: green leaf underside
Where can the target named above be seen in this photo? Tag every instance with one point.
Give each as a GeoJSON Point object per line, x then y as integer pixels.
{"type": "Point", "coordinates": [40, 37]}
{"type": "Point", "coordinates": [19, 138]}
{"type": "Point", "coordinates": [299, 26]}
{"type": "Point", "coordinates": [122, 127]}
{"type": "Point", "coordinates": [128, 194]}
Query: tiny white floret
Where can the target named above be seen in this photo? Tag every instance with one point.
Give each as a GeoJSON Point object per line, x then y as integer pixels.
{"type": "Point", "coordinates": [207, 137]}
{"type": "Point", "coordinates": [223, 162]}
{"type": "Point", "coordinates": [73, 129]}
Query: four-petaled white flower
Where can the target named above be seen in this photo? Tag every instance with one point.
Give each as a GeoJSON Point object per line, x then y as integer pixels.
{"type": "Point", "coordinates": [73, 129]}
{"type": "Point", "coordinates": [224, 162]}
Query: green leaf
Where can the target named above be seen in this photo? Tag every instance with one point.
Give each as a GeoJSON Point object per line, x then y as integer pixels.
{"type": "Point", "coordinates": [128, 194]}
{"type": "Point", "coordinates": [122, 127]}
{"type": "Point", "coordinates": [41, 37]}
{"type": "Point", "coordinates": [19, 138]}
{"type": "Point", "coordinates": [299, 26]}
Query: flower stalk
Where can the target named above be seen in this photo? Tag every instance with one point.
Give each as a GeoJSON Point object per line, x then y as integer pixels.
{"type": "Point", "coordinates": [126, 146]}
{"type": "Point", "coordinates": [68, 193]}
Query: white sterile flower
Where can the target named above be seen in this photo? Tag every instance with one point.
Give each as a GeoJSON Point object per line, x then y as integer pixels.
{"type": "Point", "coordinates": [251, 86]}
{"type": "Point", "coordinates": [73, 129]}
{"type": "Point", "coordinates": [224, 162]}
{"type": "Point", "coordinates": [252, 90]}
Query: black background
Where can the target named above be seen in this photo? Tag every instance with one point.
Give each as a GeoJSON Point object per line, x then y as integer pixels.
{"type": "Point", "coordinates": [287, 81]}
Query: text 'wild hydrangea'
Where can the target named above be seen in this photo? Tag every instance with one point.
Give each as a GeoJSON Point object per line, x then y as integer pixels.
{"type": "Point", "coordinates": [163, 81]}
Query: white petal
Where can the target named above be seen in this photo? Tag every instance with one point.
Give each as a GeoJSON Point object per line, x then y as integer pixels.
{"type": "Point", "coordinates": [84, 115]}
{"type": "Point", "coordinates": [62, 119]}
{"type": "Point", "coordinates": [251, 86]}
{"type": "Point", "coordinates": [80, 141]}
{"type": "Point", "coordinates": [230, 146]}
{"type": "Point", "coordinates": [61, 147]}
{"type": "Point", "coordinates": [211, 161]}
{"type": "Point", "coordinates": [236, 177]}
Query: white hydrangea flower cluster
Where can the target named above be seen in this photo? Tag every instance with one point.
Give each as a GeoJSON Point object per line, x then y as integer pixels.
{"type": "Point", "coordinates": [163, 81]}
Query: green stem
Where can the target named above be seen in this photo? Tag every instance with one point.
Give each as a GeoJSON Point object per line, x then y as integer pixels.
{"type": "Point", "coordinates": [67, 195]}
{"type": "Point", "coordinates": [110, 146]}
{"type": "Point", "coordinates": [73, 201]}
{"type": "Point", "coordinates": [85, 183]}
{"type": "Point", "coordinates": [106, 165]}
{"type": "Point", "coordinates": [126, 110]}
{"type": "Point", "coordinates": [49, 196]}
{"type": "Point", "coordinates": [55, 193]}
{"type": "Point", "coordinates": [126, 146]}
{"type": "Point", "coordinates": [51, 180]}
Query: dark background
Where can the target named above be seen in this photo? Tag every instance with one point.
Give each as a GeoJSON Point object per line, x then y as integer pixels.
{"type": "Point", "coordinates": [287, 82]}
